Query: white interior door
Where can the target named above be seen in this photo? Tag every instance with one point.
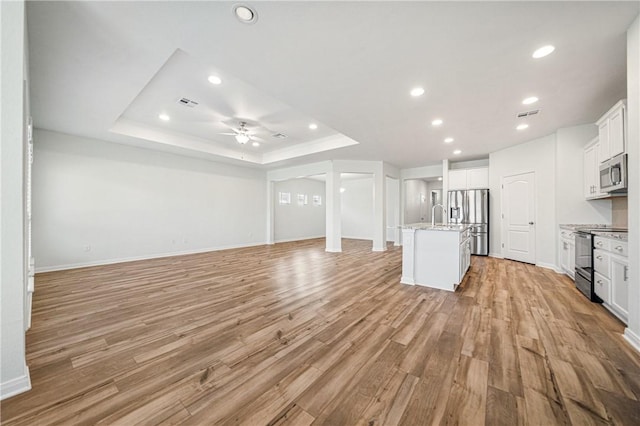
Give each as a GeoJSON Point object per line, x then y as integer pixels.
{"type": "Point", "coordinates": [518, 218]}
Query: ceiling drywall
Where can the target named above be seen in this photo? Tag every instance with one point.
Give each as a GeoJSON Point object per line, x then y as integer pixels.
{"type": "Point", "coordinates": [96, 68]}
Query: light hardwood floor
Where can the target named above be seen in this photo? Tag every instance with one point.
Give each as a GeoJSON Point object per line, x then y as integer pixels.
{"type": "Point", "coordinates": [292, 335]}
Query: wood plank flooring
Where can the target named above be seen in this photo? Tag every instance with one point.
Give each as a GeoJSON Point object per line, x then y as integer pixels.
{"type": "Point", "coordinates": [292, 335]}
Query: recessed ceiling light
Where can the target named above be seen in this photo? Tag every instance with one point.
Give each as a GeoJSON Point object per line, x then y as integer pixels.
{"type": "Point", "coordinates": [313, 126]}
{"type": "Point", "coordinates": [543, 51]}
{"type": "Point", "coordinates": [440, 178]}
{"type": "Point", "coordinates": [522, 126]}
{"type": "Point", "coordinates": [256, 144]}
{"type": "Point", "coordinates": [343, 189]}
{"type": "Point", "coordinates": [530, 100]}
{"type": "Point", "coordinates": [436, 122]}
{"type": "Point", "coordinates": [417, 91]}
{"type": "Point", "coordinates": [164, 117]}
{"type": "Point", "coordinates": [214, 79]}
{"type": "Point", "coordinates": [457, 152]}
{"type": "Point", "coordinates": [245, 14]}
{"type": "Point", "coordinates": [448, 140]}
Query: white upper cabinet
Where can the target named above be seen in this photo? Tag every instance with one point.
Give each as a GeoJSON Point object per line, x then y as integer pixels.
{"type": "Point", "coordinates": [603, 138]}
{"type": "Point", "coordinates": [477, 178]}
{"type": "Point", "coordinates": [617, 132]}
{"type": "Point", "coordinates": [612, 132]}
{"type": "Point", "coordinates": [592, 172]}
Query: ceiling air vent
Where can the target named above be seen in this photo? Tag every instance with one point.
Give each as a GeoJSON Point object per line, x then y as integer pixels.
{"type": "Point", "coordinates": [187, 102]}
{"type": "Point", "coordinates": [279, 135]}
{"type": "Point", "coordinates": [528, 113]}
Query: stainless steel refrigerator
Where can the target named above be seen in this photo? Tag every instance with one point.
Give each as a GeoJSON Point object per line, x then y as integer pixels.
{"type": "Point", "coordinates": [472, 207]}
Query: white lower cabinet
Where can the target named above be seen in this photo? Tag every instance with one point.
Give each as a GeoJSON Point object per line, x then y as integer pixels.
{"type": "Point", "coordinates": [620, 286]}
{"type": "Point", "coordinates": [602, 287]}
{"type": "Point", "coordinates": [465, 256]}
{"type": "Point", "coordinates": [611, 276]}
{"type": "Point", "coordinates": [568, 252]}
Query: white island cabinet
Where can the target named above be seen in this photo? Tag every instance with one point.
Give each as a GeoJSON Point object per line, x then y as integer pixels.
{"type": "Point", "coordinates": [435, 256]}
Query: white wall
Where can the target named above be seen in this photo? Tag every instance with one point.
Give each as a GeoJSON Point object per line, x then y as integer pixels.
{"type": "Point", "coordinates": [14, 373]}
{"type": "Point", "coordinates": [298, 221]}
{"type": "Point", "coordinates": [430, 171]}
{"type": "Point", "coordinates": [632, 333]}
{"type": "Point", "coordinates": [357, 208]}
{"type": "Point", "coordinates": [96, 202]}
{"type": "Point", "coordinates": [414, 209]}
{"type": "Point", "coordinates": [435, 186]}
{"type": "Point", "coordinates": [538, 156]}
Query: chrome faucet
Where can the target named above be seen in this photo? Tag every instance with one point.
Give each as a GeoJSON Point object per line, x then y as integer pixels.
{"type": "Point", "coordinates": [433, 213]}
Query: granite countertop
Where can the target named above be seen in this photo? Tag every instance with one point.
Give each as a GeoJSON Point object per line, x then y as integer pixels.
{"type": "Point", "coordinates": [575, 226]}
{"type": "Point", "coordinates": [618, 236]}
{"type": "Point", "coordinates": [428, 227]}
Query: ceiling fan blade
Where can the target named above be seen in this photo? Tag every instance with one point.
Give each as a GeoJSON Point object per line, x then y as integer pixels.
{"type": "Point", "coordinates": [229, 134]}
{"type": "Point", "coordinates": [256, 138]}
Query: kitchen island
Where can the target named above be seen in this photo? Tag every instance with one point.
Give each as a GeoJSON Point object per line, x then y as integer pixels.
{"type": "Point", "coordinates": [435, 256]}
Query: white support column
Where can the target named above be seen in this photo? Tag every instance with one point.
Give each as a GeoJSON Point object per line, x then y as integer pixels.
{"type": "Point", "coordinates": [379, 209]}
{"type": "Point", "coordinates": [399, 214]}
{"type": "Point", "coordinates": [632, 332]}
{"type": "Point", "coordinates": [333, 216]}
{"type": "Point", "coordinates": [270, 211]}
{"type": "Point", "coordinates": [445, 189]}
{"type": "Point", "coordinates": [14, 373]}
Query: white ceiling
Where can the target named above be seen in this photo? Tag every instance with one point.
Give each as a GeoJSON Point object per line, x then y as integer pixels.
{"type": "Point", "coordinates": [106, 69]}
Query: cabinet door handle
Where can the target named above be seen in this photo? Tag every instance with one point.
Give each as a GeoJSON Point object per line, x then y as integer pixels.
{"type": "Point", "coordinates": [599, 243]}
{"type": "Point", "coordinates": [599, 257]}
{"type": "Point", "coordinates": [619, 248]}
{"type": "Point", "coordinates": [626, 269]}
{"type": "Point", "coordinates": [599, 282]}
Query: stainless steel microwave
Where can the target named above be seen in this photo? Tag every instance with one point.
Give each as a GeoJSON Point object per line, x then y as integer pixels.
{"type": "Point", "coordinates": [613, 174]}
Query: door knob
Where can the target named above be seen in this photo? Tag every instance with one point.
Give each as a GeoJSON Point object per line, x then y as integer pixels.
{"type": "Point", "coordinates": [530, 223]}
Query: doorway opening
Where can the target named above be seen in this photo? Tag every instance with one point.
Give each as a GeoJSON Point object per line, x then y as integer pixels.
{"type": "Point", "coordinates": [420, 197]}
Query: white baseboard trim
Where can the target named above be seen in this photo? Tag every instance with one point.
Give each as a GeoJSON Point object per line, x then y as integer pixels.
{"type": "Point", "coordinates": [550, 266]}
{"type": "Point", "coordinates": [632, 338]}
{"type": "Point", "coordinates": [496, 255]}
{"type": "Point", "coordinates": [289, 240]}
{"type": "Point", "coordinates": [144, 257]}
{"type": "Point", "coordinates": [15, 386]}
{"type": "Point", "coordinates": [379, 249]}
{"type": "Point", "coordinates": [333, 250]}
{"type": "Point", "coordinates": [357, 238]}
{"type": "Point", "coordinates": [407, 280]}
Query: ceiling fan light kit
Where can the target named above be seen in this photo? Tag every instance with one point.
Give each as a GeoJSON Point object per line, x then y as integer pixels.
{"type": "Point", "coordinates": [242, 138]}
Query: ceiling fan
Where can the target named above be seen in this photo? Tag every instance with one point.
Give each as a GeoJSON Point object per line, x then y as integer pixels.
{"type": "Point", "coordinates": [242, 134]}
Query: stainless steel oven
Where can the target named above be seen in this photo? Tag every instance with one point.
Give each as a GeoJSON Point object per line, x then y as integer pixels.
{"type": "Point", "coordinates": [584, 264]}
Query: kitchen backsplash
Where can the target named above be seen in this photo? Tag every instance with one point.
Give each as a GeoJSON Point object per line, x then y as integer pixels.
{"type": "Point", "coordinates": [619, 215]}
